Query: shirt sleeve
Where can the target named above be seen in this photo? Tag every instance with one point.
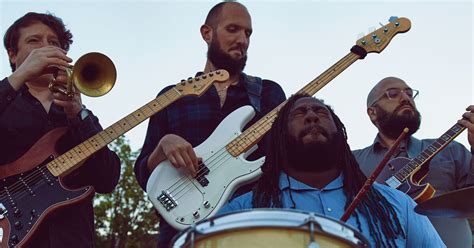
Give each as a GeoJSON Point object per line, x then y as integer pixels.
{"type": "Point", "coordinates": [157, 128]}
{"type": "Point", "coordinates": [7, 94]}
{"type": "Point", "coordinates": [102, 169]}
{"type": "Point", "coordinates": [419, 230]}
{"type": "Point", "coordinates": [464, 163]}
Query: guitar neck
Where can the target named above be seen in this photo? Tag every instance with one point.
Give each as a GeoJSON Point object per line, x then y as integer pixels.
{"type": "Point", "coordinates": [254, 133]}
{"type": "Point", "coordinates": [429, 152]}
{"type": "Point", "coordinates": [72, 159]}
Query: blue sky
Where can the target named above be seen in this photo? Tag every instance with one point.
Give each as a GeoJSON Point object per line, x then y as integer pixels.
{"type": "Point", "coordinates": [157, 43]}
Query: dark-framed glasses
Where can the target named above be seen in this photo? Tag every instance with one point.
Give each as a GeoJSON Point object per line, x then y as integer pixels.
{"type": "Point", "coordinates": [395, 93]}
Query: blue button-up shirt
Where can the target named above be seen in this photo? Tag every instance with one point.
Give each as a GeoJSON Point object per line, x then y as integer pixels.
{"type": "Point", "coordinates": [449, 170]}
{"type": "Point", "coordinates": [330, 201]}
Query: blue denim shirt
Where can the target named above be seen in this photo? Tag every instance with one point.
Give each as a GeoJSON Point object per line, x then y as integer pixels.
{"type": "Point", "coordinates": [449, 170]}
{"type": "Point", "coordinates": [330, 202]}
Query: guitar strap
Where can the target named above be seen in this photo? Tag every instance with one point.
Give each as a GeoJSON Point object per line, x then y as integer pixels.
{"type": "Point", "coordinates": [253, 86]}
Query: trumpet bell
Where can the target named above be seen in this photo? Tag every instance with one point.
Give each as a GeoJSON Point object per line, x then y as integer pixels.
{"type": "Point", "coordinates": [94, 74]}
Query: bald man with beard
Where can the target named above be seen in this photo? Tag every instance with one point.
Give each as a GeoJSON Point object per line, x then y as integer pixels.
{"type": "Point", "coordinates": [391, 107]}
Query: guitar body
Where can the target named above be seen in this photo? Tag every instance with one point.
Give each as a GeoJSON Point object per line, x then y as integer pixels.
{"type": "Point", "coordinates": [183, 200]}
{"type": "Point", "coordinates": [411, 186]}
{"type": "Point", "coordinates": [29, 192]}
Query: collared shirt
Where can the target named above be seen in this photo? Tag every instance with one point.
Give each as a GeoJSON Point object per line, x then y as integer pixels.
{"type": "Point", "coordinates": [23, 120]}
{"type": "Point", "coordinates": [195, 118]}
{"type": "Point", "coordinates": [330, 202]}
{"type": "Point", "coordinates": [449, 170]}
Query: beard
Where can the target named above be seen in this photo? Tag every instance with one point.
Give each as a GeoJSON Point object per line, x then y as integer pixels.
{"type": "Point", "coordinates": [392, 125]}
{"type": "Point", "coordinates": [317, 156]}
{"type": "Point", "coordinates": [221, 60]}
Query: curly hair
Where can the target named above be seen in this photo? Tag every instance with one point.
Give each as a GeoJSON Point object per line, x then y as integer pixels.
{"type": "Point", "coordinates": [10, 40]}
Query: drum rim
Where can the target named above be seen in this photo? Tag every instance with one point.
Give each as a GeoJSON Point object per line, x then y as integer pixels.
{"type": "Point", "coordinates": [357, 237]}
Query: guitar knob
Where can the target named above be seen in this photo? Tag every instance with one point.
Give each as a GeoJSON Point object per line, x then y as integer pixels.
{"type": "Point", "coordinates": [18, 225]}
{"type": "Point", "coordinates": [14, 239]}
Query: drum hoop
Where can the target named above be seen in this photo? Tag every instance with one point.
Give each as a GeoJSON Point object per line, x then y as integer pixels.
{"type": "Point", "coordinates": [209, 227]}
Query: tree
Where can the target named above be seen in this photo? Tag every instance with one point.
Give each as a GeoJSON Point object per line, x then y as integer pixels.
{"type": "Point", "coordinates": [125, 218]}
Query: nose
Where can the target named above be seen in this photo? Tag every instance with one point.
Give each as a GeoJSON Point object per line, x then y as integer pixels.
{"type": "Point", "coordinates": [311, 116]}
{"type": "Point", "coordinates": [42, 43]}
{"type": "Point", "coordinates": [404, 97]}
{"type": "Point", "coordinates": [243, 39]}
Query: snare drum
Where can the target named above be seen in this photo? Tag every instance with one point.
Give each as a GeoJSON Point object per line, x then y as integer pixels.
{"type": "Point", "coordinates": [270, 228]}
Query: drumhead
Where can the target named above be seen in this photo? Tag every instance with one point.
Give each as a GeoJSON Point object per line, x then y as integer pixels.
{"type": "Point", "coordinates": [270, 218]}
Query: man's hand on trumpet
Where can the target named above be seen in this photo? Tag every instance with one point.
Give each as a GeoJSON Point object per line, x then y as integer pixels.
{"type": "Point", "coordinates": [72, 104]}
{"type": "Point", "coordinates": [37, 64]}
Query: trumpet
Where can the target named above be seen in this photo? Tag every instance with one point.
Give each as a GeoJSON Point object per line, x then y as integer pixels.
{"type": "Point", "coordinates": [93, 74]}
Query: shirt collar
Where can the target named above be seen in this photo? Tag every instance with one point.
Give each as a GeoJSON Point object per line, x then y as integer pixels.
{"type": "Point", "coordinates": [413, 145]}
{"type": "Point", "coordinates": [297, 185]}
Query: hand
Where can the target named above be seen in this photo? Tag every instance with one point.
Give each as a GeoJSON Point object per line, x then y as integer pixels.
{"type": "Point", "coordinates": [468, 122]}
{"type": "Point", "coordinates": [71, 106]}
{"type": "Point", "coordinates": [40, 61]}
{"type": "Point", "coordinates": [177, 150]}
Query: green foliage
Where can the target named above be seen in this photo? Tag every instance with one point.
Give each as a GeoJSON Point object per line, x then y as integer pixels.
{"type": "Point", "coordinates": [125, 218]}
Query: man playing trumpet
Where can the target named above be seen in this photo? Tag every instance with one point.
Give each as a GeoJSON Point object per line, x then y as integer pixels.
{"type": "Point", "coordinates": [37, 45]}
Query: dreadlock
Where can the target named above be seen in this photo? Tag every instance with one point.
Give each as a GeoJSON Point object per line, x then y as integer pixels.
{"type": "Point", "coordinates": [374, 205]}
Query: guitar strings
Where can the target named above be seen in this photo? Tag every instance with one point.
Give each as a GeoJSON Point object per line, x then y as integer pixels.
{"type": "Point", "coordinates": [33, 177]}
{"type": "Point", "coordinates": [328, 74]}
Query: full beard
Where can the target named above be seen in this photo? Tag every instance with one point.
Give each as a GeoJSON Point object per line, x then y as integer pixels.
{"type": "Point", "coordinates": [316, 156]}
{"type": "Point", "coordinates": [392, 125]}
{"type": "Point", "coordinates": [221, 60]}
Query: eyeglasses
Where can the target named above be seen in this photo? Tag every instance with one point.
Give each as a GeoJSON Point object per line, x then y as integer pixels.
{"type": "Point", "coordinates": [395, 93]}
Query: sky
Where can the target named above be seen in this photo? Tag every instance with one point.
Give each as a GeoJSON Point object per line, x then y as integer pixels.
{"type": "Point", "coordinates": [157, 43]}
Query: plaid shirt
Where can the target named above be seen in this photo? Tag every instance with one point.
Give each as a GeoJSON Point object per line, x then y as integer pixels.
{"type": "Point", "coordinates": [195, 118]}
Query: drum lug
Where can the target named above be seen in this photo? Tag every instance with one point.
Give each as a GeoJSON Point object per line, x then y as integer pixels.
{"type": "Point", "coordinates": [311, 221]}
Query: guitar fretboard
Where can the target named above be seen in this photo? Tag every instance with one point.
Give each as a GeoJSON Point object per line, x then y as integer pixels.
{"type": "Point", "coordinates": [72, 158]}
{"type": "Point", "coordinates": [429, 152]}
{"type": "Point", "coordinates": [254, 133]}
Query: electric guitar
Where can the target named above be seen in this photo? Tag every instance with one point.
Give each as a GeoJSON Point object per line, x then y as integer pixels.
{"type": "Point", "coordinates": [31, 187]}
{"type": "Point", "coordinates": [183, 200]}
{"type": "Point", "coordinates": [406, 174]}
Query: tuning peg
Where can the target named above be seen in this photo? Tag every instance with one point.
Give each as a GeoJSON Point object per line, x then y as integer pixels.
{"type": "Point", "coordinates": [393, 18]}
{"type": "Point", "coordinates": [360, 35]}
{"type": "Point", "coordinates": [385, 29]}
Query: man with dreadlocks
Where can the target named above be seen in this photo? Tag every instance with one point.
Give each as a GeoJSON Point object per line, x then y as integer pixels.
{"type": "Point", "coordinates": [310, 167]}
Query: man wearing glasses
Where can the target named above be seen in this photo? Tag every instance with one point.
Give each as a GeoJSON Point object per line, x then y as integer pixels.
{"type": "Point", "coordinates": [391, 108]}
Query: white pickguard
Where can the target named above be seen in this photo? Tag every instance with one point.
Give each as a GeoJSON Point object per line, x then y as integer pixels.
{"type": "Point", "coordinates": [193, 201]}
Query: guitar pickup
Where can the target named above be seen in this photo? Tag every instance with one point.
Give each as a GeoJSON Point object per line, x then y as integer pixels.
{"type": "Point", "coordinates": [202, 172]}
{"type": "Point", "coordinates": [167, 200]}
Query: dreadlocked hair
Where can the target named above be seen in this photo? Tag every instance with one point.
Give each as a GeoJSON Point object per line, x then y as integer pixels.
{"type": "Point", "coordinates": [382, 217]}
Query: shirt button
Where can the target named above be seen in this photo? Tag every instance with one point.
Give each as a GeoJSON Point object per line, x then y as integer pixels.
{"type": "Point", "coordinates": [329, 209]}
